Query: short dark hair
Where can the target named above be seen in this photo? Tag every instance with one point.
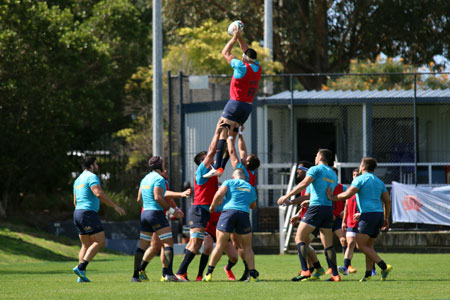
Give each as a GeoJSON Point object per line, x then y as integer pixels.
{"type": "Point", "coordinates": [155, 163]}
{"type": "Point", "coordinates": [305, 163]}
{"type": "Point", "coordinates": [251, 53]}
{"type": "Point", "coordinates": [88, 161]}
{"type": "Point", "coordinates": [253, 162]}
{"type": "Point", "coordinates": [370, 163]}
{"type": "Point", "coordinates": [198, 157]}
{"type": "Point", "coordinates": [327, 156]}
{"type": "Point", "coordinates": [355, 170]}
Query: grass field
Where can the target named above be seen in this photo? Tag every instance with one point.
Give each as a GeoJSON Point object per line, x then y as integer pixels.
{"type": "Point", "coordinates": [35, 265]}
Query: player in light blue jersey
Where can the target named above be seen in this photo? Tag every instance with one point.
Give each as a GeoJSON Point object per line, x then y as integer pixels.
{"type": "Point", "coordinates": [152, 190]}
{"type": "Point", "coordinates": [375, 206]}
{"type": "Point", "coordinates": [87, 194]}
{"type": "Point", "coordinates": [238, 196]}
{"type": "Point", "coordinates": [319, 214]}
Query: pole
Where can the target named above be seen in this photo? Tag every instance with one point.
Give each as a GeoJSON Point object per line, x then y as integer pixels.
{"type": "Point", "coordinates": [158, 142]}
{"type": "Point", "coordinates": [268, 41]}
{"type": "Point", "coordinates": [415, 129]}
{"type": "Point", "coordinates": [183, 164]}
{"type": "Point", "coordinates": [292, 119]}
{"type": "Point", "coordinates": [169, 124]}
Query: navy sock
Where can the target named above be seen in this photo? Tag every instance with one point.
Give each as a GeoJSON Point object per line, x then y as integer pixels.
{"type": "Point", "coordinates": [143, 265]}
{"type": "Point", "coordinates": [188, 257]}
{"type": "Point", "coordinates": [327, 259]}
{"type": "Point", "coordinates": [164, 272]}
{"type": "Point", "coordinates": [317, 265]}
{"type": "Point", "coordinates": [82, 266]}
{"type": "Point", "coordinates": [168, 256]}
{"type": "Point", "coordinates": [368, 274]}
{"type": "Point", "coordinates": [302, 253]}
{"type": "Point", "coordinates": [347, 262]}
{"type": "Point", "coordinates": [210, 270]}
{"type": "Point", "coordinates": [137, 261]}
{"type": "Point", "coordinates": [225, 159]}
{"type": "Point", "coordinates": [332, 258]}
{"type": "Point", "coordinates": [202, 265]}
{"type": "Point", "coordinates": [344, 248]}
{"type": "Point", "coordinates": [373, 267]}
{"type": "Point", "coordinates": [230, 265]}
{"type": "Point", "coordinates": [382, 265]}
{"type": "Point", "coordinates": [219, 153]}
{"type": "Point", "coordinates": [311, 269]}
{"type": "Point", "coordinates": [246, 267]}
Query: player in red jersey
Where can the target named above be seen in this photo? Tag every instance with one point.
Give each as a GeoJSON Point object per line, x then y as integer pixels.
{"type": "Point", "coordinates": [243, 89]}
{"type": "Point", "coordinates": [210, 238]}
{"type": "Point", "coordinates": [204, 191]}
{"type": "Point", "coordinates": [350, 228]}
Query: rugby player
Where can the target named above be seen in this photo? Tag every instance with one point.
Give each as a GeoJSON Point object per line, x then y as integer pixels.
{"type": "Point", "coordinates": [319, 214]}
{"type": "Point", "coordinates": [374, 205]}
{"type": "Point", "coordinates": [152, 190]}
{"type": "Point", "coordinates": [243, 88]}
{"type": "Point", "coordinates": [87, 194]}
{"type": "Point", "coordinates": [238, 196]}
{"type": "Point", "coordinates": [204, 190]}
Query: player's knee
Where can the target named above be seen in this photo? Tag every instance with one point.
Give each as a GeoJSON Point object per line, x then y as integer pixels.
{"type": "Point", "coordinates": [343, 241]}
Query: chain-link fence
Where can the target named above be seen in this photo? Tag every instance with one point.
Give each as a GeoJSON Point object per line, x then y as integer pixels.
{"type": "Point", "coordinates": [402, 120]}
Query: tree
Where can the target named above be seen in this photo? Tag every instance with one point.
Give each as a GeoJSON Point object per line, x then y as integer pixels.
{"type": "Point", "coordinates": [324, 35]}
{"type": "Point", "coordinates": [62, 73]}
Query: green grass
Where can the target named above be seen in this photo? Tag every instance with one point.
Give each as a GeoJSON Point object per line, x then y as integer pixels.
{"type": "Point", "coordinates": [38, 266]}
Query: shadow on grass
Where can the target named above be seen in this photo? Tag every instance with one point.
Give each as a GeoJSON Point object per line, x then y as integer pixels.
{"type": "Point", "coordinates": [18, 246]}
{"type": "Point", "coordinates": [35, 272]}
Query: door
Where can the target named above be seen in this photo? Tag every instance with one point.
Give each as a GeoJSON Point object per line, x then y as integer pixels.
{"type": "Point", "coordinates": [312, 135]}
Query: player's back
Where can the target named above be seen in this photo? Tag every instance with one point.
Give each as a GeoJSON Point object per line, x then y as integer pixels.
{"type": "Point", "coordinates": [324, 178]}
{"type": "Point", "coordinates": [148, 183]}
{"type": "Point", "coordinates": [239, 196]}
{"type": "Point", "coordinates": [369, 194]}
{"type": "Point", "coordinates": [83, 194]}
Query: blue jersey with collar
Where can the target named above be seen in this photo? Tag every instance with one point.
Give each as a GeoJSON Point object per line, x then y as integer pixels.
{"type": "Point", "coordinates": [83, 193]}
{"type": "Point", "coordinates": [240, 69]}
{"type": "Point", "coordinates": [239, 196]}
{"type": "Point", "coordinates": [324, 178]}
{"type": "Point", "coordinates": [369, 194]}
{"type": "Point", "coordinates": [148, 183]}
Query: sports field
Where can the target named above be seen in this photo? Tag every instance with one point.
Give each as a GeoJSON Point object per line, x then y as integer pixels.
{"type": "Point", "coordinates": [37, 266]}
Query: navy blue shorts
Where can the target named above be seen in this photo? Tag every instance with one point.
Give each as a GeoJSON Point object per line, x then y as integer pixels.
{"type": "Point", "coordinates": [153, 220]}
{"type": "Point", "coordinates": [337, 224]}
{"type": "Point", "coordinates": [199, 217]}
{"type": "Point", "coordinates": [87, 222]}
{"type": "Point", "coordinates": [237, 111]}
{"type": "Point", "coordinates": [320, 216]}
{"type": "Point", "coordinates": [352, 229]}
{"type": "Point", "coordinates": [371, 223]}
{"type": "Point", "coordinates": [234, 221]}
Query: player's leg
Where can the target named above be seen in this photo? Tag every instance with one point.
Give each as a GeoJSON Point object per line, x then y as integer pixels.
{"type": "Point", "coordinates": [235, 241]}
{"type": "Point", "coordinates": [351, 243]}
{"type": "Point", "coordinates": [150, 252]}
{"type": "Point", "coordinates": [165, 234]}
{"type": "Point", "coordinates": [305, 228]}
{"type": "Point", "coordinates": [232, 254]}
{"type": "Point", "coordinates": [222, 240]}
{"type": "Point", "coordinates": [86, 242]}
{"type": "Point", "coordinates": [145, 238]}
{"type": "Point", "coordinates": [249, 255]}
{"type": "Point", "coordinates": [207, 249]}
{"type": "Point", "coordinates": [326, 236]}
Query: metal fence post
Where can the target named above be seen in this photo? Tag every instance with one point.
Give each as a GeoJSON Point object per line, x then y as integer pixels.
{"type": "Point", "coordinates": [169, 124]}
{"type": "Point", "coordinates": [415, 129]}
{"type": "Point", "coordinates": [183, 164]}
{"type": "Point", "coordinates": [291, 86]}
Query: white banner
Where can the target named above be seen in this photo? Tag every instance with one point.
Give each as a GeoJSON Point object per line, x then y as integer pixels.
{"type": "Point", "coordinates": [414, 204]}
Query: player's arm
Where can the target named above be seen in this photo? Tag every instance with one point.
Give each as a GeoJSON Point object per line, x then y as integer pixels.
{"type": "Point", "coordinates": [218, 198]}
{"type": "Point", "coordinates": [342, 196]}
{"type": "Point", "coordinates": [234, 160]}
{"type": "Point", "coordinates": [158, 194]}
{"type": "Point", "coordinates": [74, 200]}
{"type": "Point", "coordinates": [209, 159]}
{"type": "Point", "coordinates": [226, 52]}
{"type": "Point", "coordinates": [344, 218]}
{"type": "Point", "coordinates": [139, 197]}
{"type": "Point", "coordinates": [298, 200]}
{"type": "Point", "coordinates": [98, 192]}
{"type": "Point", "coordinates": [298, 189]}
{"type": "Point", "coordinates": [172, 194]}
{"type": "Point", "coordinates": [252, 205]}
{"type": "Point", "coordinates": [177, 212]}
{"type": "Point", "coordinates": [242, 147]}
{"type": "Point", "coordinates": [242, 44]}
{"type": "Point", "coordinates": [386, 208]}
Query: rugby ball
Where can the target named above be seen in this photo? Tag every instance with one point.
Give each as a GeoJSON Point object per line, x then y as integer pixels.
{"type": "Point", "coordinates": [239, 24]}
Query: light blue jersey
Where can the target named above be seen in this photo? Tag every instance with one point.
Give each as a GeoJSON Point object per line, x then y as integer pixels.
{"type": "Point", "coordinates": [240, 69]}
{"type": "Point", "coordinates": [324, 178]}
{"type": "Point", "coordinates": [150, 181]}
{"type": "Point", "coordinates": [239, 196]}
{"type": "Point", "coordinates": [243, 168]}
{"type": "Point", "coordinates": [201, 170]}
{"type": "Point", "coordinates": [83, 193]}
{"type": "Point", "coordinates": [369, 194]}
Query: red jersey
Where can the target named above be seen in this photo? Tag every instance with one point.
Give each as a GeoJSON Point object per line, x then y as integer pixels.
{"type": "Point", "coordinates": [252, 177]}
{"type": "Point", "coordinates": [244, 89]}
{"type": "Point", "coordinates": [338, 206]}
{"type": "Point", "coordinates": [204, 193]}
{"type": "Point", "coordinates": [212, 223]}
{"type": "Point", "coordinates": [303, 209]}
{"type": "Point", "coordinates": [352, 208]}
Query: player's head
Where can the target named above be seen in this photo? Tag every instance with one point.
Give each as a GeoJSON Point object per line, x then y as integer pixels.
{"type": "Point", "coordinates": [325, 156]}
{"type": "Point", "coordinates": [249, 55]}
{"type": "Point", "coordinates": [253, 162]}
{"type": "Point", "coordinates": [302, 168]}
{"type": "Point", "coordinates": [156, 163]}
{"type": "Point", "coordinates": [355, 173]}
{"type": "Point", "coordinates": [199, 157]}
{"type": "Point", "coordinates": [238, 174]}
{"type": "Point", "coordinates": [90, 163]}
{"type": "Point", "coordinates": [368, 164]}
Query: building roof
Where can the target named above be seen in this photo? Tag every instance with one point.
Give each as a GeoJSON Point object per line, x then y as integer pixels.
{"type": "Point", "coordinates": [339, 96]}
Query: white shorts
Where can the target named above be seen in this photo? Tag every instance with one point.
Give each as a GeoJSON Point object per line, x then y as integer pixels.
{"type": "Point", "coordinates": [350, 234]}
